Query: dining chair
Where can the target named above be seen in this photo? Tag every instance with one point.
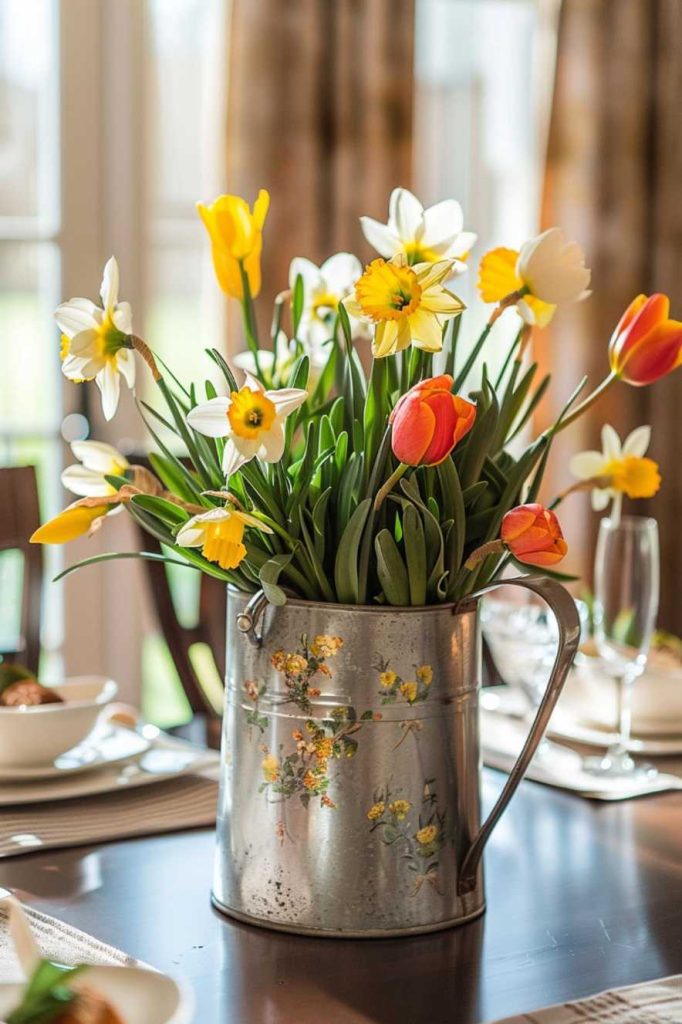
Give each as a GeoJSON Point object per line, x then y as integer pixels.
{"type": "Point", "coordinates": [209, 629]}
{"type": "Point", "coordinates": [19, 517]}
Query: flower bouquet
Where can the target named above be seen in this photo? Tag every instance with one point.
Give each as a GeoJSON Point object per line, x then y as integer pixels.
{"type": "Point", "coordinates": [356, 513]}
{"type": "Point", "coordinates": [316, 479]}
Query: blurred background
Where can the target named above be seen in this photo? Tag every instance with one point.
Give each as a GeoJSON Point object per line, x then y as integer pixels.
{"type": "Point", "coordinates": [116, 116]}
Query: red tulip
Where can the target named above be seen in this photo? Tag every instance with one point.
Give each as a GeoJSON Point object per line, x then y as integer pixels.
{"type": "Point", "coordinates": [533, 535]}
{"type": "Point", "coordinates": [646, 344]}
{"type": "Point", "coordinates": [429, 421]}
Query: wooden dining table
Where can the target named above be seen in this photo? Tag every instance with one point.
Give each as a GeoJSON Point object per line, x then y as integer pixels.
{"type": "Point", "coordinates": [582, 896]}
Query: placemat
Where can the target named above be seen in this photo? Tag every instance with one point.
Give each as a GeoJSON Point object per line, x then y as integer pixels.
{"type": "Point", "coordinates": [57, 941]}
{"type": "Point", "coordinates": [655, 1002]}
{"type": "Point", "coordinates": [187, 802]}
{"type": "Point", "coordinates": [501, 742]}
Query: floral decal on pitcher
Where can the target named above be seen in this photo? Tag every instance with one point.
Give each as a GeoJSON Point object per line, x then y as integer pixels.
{"type": "Point", "coordinates": [300, 667]}
{"type": "Point", "coordinates": [394, 687]}
{"type": "Point", "coordinates": [305, 771]}
{"type": "Point", "coordinates": [419, 836]}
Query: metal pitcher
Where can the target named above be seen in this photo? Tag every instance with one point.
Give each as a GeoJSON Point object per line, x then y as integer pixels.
{"type": "Point", "coordinates": [349, 798]}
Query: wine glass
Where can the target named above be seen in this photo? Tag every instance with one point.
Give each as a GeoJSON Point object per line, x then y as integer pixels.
{"type": "Point", "coordinates": [625, 608]}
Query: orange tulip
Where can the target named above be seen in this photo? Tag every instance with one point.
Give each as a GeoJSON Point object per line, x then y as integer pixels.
{"type": "Point", "coordinates": [429, 421]}
{"type": "Point", "coordinates": [533, 535]}
{"type": "Point", "coordinates": [646, 344]}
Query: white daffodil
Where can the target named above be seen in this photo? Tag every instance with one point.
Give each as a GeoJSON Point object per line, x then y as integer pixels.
{"type": "Point", "coordinates": [618, 468]}
{"type": "Point", "coordinates": [323, 289]}
{"type": "Point", "coordinates": [552, 269]}
{"type": "Point", "coordinates": [96, 461]}
{"type": "Point", "coordinates": [220, 535]}
{"type": "Point", "coordinates": [95, 341]}
{"type": "Point", "coordinates": [423, 236]}
{"type": "Point", "coordinates": [251, 419]}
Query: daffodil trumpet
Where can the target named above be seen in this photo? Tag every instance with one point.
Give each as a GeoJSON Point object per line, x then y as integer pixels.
{"type": "Point", "coordinates": [296, 471]}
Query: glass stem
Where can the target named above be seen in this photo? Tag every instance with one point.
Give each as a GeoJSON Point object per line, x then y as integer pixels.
{"type": "Point", "coordinates": [624, 712]}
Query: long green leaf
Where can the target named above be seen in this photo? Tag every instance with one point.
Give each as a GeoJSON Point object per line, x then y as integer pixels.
{"type": "Point", "coordinates": [346, 563]}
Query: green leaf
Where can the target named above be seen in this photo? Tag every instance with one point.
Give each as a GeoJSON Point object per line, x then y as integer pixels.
{"type": "Point", "coordinates": [269, 575]}
{"type": "Point", "coordinates": [169, 514]}
{"type": "Point", "coordinates": [150, 556]}
{"type": "Point", "coordinates": [171, 477]}
{"type": "Point", "coordinates": [217, 358]}
{"type": "Point", "coordinates": [297, 303]}
{"type": "Point", "coordinates": [450, 485]}
{"type": "Point", "coordinates": [473, 356]}
{"type": "Point", "coordinates": [540, 571]}
{"type": "Point", "coordinates": [415, 553]}
{"type": "Point", "coordinates": [391, 570]}
{"type": "Point", "coordinates": [346, 563]}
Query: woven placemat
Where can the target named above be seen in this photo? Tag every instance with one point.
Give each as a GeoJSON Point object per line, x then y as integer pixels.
{"type": "Point", "coordinates": [654, 1002]}
{"type": "Point", "coordinates": [187, 802]}
{"type": "Point", "coordinates": [57, 941]}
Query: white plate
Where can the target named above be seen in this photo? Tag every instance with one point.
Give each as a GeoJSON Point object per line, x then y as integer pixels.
{"type": "Point", "coordinates": [564, 725]}
{"type": "Point", "coordinates": [110, 745]}
{"type": "Point", "coordinates": [166, 758]}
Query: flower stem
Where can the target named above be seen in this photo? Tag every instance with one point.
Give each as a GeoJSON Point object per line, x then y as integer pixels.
{"type": "Point", "coordinates": [143, 348]}
{"type": "Point", "coordinates": [386, 488]}
{"type": "Point", "coordinates": [250, 319]}
{"type": "Point", "coordinates": [585, 405]}
{"type": "Point", "coordinates": [493, 547]}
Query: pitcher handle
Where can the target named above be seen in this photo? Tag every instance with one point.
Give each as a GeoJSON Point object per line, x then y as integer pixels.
{"type": "Point", "coordinates": [568, 620]}
{"type": "Point", "coordinates": [247, 621]}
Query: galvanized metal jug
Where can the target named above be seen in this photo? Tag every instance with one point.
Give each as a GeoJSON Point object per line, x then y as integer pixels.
{"type": "Point", "coordinates": [349, 800]}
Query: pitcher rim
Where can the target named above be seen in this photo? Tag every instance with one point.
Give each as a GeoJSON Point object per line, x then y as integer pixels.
{"type": "Point", "coordinates": [463, 607]}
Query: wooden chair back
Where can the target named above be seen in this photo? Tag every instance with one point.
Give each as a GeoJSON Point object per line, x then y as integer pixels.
{"type": "Point", "coordinates": [19, 517]}
{"type": "Point", "coordinates": [210, 629]}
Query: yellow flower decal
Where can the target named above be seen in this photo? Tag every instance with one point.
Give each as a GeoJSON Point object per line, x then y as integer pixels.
{"type": "Point", "coordinates": [409, 691]}
{"type": "Point", "coordinates": [399, 809]}
{"type": "Point", "coordinates": [270, 768]}
{"type": "Point", "coordinates": [425, 674]}
{"type": "Point", "coordinates": [387, 679]}
{"type": "Point", "coordinates": [236, 235]}
{"type": "Point", "coordinates": [426, 835]}
{"type": "Point", "coordinates": [325, 646]}
{"type": "Point", "coordinates": [376, 810]}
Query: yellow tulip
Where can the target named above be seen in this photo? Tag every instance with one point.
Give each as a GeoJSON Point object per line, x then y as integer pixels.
{"type": "Point", "coordinates": [236, 235]}
{"type": "Point", "coordinates": [73, 522]}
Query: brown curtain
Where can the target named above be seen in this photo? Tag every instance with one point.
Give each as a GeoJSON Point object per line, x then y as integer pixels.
{"type": "Point", "coordinates": [614, 182]}
{"type": "Point", "coordinates": [320, 114]}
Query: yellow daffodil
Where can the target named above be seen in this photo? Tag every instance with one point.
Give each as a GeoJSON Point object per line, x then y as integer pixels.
{"type": "Point", "coordinates": [96, 343]}
{"type": "Point", "coordinates": [323, 289]}
{"type": "Point", "coordinates": [618, 468]}
{"type": "Point", "coordinates": [75, 521]}
{"type": "Point", "coordinates": [220, 534]}
{"type": "Point", "coordinates": [251, 420]}
{"type": "Point", "coordinates": [546, 272]}
{"type": "Point", "coordinates": [236, 235]}
{"type": "Point", "coordinates": [422, 236]}
{"type": "Point", "coordinates": [96, 461]}
{"type": "Point", "coordinates": [407, 305]}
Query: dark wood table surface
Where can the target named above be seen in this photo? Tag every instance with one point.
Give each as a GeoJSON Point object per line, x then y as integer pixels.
{"type": "Point", "coordinates": [581, 896]}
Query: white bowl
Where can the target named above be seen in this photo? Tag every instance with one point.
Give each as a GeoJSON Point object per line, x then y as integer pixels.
{"type": "Point", "coordinates": [592, 697]}
{"type": "Point", "coordinates": [139, 996]}
{"type": "Point", "coordinates": [37, 735]}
